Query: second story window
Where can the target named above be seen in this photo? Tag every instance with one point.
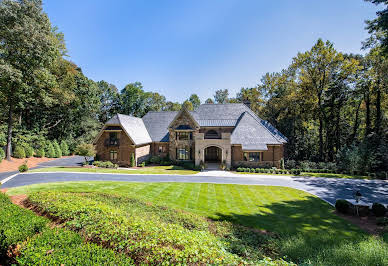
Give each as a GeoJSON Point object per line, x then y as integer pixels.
{"type": "Point", "coordinates": [211, 134]}
{"type": "Point", "coordinates": [184, 135]}
{"type": "Point", "coordinates": [113, 140]}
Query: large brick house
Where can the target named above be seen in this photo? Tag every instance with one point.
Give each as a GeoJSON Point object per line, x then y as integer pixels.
{"type": "Point", "coordinates": [229, 133]}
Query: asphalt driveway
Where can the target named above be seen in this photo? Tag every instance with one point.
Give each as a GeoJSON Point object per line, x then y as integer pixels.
{"type": "Point", "coordinates": [328, 189]}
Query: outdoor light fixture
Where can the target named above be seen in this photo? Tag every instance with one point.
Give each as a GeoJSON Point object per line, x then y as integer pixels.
{"type": "Point", "coordinates": [357, 196]}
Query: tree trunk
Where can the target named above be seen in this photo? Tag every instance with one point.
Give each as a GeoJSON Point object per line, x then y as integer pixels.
{"type": "Point", "coordinates": [320, 127]}
{"type": "Point", "coordinates": [9, 137]}
{"type": "Point", "coordinates": [367, 118]}
{"type": "Point", "coordinates": [378, 109]}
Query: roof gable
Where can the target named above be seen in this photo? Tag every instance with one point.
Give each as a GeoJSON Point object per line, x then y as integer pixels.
{"type": "Point", "coordinates": [251, 134]}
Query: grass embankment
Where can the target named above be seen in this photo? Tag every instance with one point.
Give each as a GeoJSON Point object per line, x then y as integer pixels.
{"type": "Point", "coordinates": [171, 170]}
{"type": "Point", "coordinates": [302, 227]}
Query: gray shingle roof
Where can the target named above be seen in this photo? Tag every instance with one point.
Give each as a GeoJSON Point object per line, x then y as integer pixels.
{"type": "Point", "coordinates": [157, 124]}
{"type": "Point", "coordinates": [251, 134]}
{"type": "Point", "coordinates": [133, 126]}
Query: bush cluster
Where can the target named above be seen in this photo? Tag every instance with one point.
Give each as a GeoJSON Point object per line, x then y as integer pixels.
{"type": "Point", "coordinates": [164, 161]}
{"type": "Point", "coordinates": [342, 206]}
{"type": "Point", "coordinates": [39, 147]}
{"type": "Point", "coordinates": [16, 224]}
{"type": "Point", "coordinates": [147, 234]}
{"type": "Point", "coordinates": [268, 171]}
{"type": "Point", "coordinates": [106, 164]}
{"type": "Point", "coordinates": [23, 168]}
{"type": "Point", "coordinates": [19, 152]}
{"type": "Point", "coordinates": [2, 154]}
{"type": "Point", "coordinates": [378, 209]}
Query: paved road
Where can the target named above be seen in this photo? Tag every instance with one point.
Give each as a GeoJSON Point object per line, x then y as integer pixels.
{"type": "Point", "coordinates": [328, 189]}
{"type": "Point", "coordinates": [70, 161]}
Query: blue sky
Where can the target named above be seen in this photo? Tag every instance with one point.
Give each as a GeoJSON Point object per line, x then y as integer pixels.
{"type": "Point", "coordinates": [181, 47]}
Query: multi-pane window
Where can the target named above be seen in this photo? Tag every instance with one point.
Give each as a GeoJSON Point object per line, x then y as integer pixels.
{"type": "Point", "coordinates": [162, 149]}
{"type": "Point", "coordinates": [113, 155]}
{"type": "Point", "coordinates": [183, 135]}
{"type": "Point", "coordinates": [113, 140]}
{"type": "Point", "coordinates": [183, 154]}
{"type": "Point", "coordinates": [252, 156]}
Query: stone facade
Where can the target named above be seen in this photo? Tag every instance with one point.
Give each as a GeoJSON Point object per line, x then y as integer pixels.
{"type": "Point", "coordinates": [220, 137]}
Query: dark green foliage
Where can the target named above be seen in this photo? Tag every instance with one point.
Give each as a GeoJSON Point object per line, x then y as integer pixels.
{"type": "Point", "coordinates": [57, 149]}
{"type": "Point", "coordinates": [2, 154]}
{"type": "Point", "coordinates": [342, 206]}
{"type": "Point", "coordinates": [50, 151]}
{"type": "Point", "coordinates": [17, 224]}
{"type": "Point", "coordinates": [106, 164]}
{"type": "Point", "coordinates": [155, 159]}
{"type": "Point", "coordinates": [64, 148]}
{"type": "Point", "coordinates": [39, 153]}
{"type": "Point", "coordinates": [127, 225]}
{"type": "Point", "coordinates": [23, 168]}
{"type": "Point", "coordinates": [29, 151]}
{"type": "Point", "coordinates": [62, 247]}
{"type": "Point", "coordinates": [382, 221]}
{"type": "Point", "coordinates": [142, 164]}
{"type": "Point", "coordinates": [132, 160]}
{"type": "Point", "coordinates": [378, 209]}
{"type": "Point", "coordinates": [19, 152]}
{"type": "Point", "coordinates": [85, 150]}
{"type": "Point", "coordinates": [295, 171]}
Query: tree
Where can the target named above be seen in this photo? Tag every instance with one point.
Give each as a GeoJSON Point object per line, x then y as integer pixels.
{"type": "Point", "coordinates": [316, 70]}
{"type": "Point", "coordinates": [28, 48]}
{"type": "Point", "coordinates": [57, 150]}
{"type": "Point", "coordinates": [221, 96]}
{"type": "Point", "coordinates": [132, 99]}
{"type": "Point", "coordinates": [379, 26]}
{"type": "Point", "coordinates": [85, 150]}
{"type": "Point", "coordinates": [50, 151]}
{"type": "Point", "coordinates": [209, 101]}
{"type": "Point", "coordinates": [172, 106]}
{"type": "Point", "coordinates": [65, 148]}
{"type": "Point", "coordinates": [187, 105]}
{"type": "Point", "coordinates": [133, 161]}
{"type": "Point", "coordinates": [194, 99]}
{"type": "Point", "coordinates": [110, 100]}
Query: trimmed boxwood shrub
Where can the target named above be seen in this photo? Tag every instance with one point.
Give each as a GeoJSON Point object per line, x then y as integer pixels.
{"type": "Point", "coordinates": [342, 206]}
{"type": "Point", "coordinates": [19, 152]}
{"type": "Point", "coordinates": [295, 171]}
{"type": "Point", "coordinates": [378, 209]}
{"type": "Point", "coordinates": [29, 151]}
{"type": "Point", "coordinates": [132, 161]}
{"type": "Point", "coordinates": [23, 168]}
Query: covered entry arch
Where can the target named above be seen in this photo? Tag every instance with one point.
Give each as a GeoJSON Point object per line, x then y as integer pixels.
{"type": "Point", "coordinates": [213, 154]}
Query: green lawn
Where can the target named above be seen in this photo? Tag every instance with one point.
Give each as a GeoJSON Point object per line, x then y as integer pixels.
{"type": "Point", "coordinates": [171, 170]}
{"type": "Point", "coordinates": [307, 229]}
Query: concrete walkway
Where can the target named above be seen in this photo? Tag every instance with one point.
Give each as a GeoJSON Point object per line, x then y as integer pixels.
{"type": "Point", "coordinates": [328, 189]}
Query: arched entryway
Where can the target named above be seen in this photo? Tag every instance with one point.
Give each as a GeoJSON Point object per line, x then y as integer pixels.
{"type": "Point", "coordinates": [213, 154]}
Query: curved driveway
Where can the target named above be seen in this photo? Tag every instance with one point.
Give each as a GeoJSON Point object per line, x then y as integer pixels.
{"type": "Point", "coordinates": [328, 189]}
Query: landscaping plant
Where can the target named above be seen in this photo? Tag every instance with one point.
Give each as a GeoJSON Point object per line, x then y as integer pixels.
{"type": "Point", "coordinates": [19, 152]}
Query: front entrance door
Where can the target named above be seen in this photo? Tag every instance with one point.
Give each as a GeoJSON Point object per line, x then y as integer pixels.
{"type": "Point", "coordinates": [213, 154]}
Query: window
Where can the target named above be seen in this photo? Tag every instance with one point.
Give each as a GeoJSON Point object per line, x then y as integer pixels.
{"type": "Point", "coordinates": [252, 156]}
{"type": "Point", "coordinates": [113, 140]}
{"type": "Point", "coordinates": [113, 155]}
{"type": "Point", "coordinates": [211, 134]}
{"type": "Point", "coordinates": [162, 149]}
{"type": "Point", "coordinates": [183, 154]}
{"type": "Point", "coordinates": [183, 135]}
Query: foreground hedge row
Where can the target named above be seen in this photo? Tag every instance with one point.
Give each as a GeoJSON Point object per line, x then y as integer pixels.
{"type": "Point", "coordinates": [152, 234]}
{"type": "Point", "coordinates": [29, 235]}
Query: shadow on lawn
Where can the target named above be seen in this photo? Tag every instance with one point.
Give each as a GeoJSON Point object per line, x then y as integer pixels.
{"type": "Point", "coordinates": [304, 230]}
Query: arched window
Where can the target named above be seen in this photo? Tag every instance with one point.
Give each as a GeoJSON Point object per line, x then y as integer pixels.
{"type": "Point", "coordinates": [211, 134]}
